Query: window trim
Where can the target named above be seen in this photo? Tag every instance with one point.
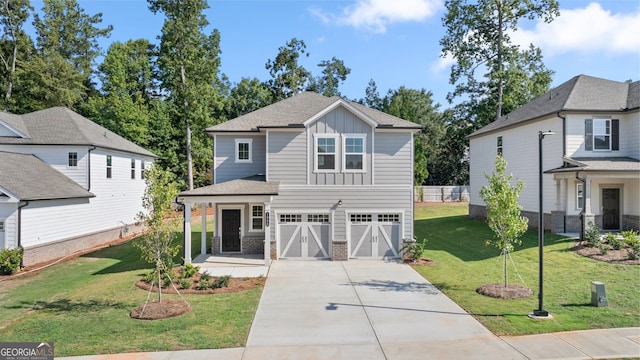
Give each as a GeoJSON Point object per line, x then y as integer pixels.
{"type": "Point", "coordinates": [109, 167]}
{"type": "Point", "coordinates": [608, 126]}
{"type": "Point", "coordinates": [335, 138]}
{"type": "Point", "coordinates": [3, 225]}
{"type": "Point", "coordinates": [250, 150]}
{"type": "Point", "coordinates": [69, 159]}
{"type": "Point", "coordinates": [133, 169]}
{"type": "Point", "coordinates": [578, 196]}
{"type": "Point", "coordinates": [363, 137]}
{"type": "Point", "coordinates": [499, 145]}
{"type": "Point", "coordinates": [252, 217]}
{"type": "Point", "coordinates": [142, 168]}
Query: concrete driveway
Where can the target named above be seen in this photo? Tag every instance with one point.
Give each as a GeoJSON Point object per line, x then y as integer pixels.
{"type": "Point", "coordinates": [363, 310]}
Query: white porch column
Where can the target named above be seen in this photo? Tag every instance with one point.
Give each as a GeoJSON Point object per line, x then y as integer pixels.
{"type": "Point", "coordinates": [587, 196]}
{"type": "Point", "coordinates": [203, 232]}
{"type": "Point", "coordinates": [268, 223]}
{"type": "Point", "coordinates": [187, 233]}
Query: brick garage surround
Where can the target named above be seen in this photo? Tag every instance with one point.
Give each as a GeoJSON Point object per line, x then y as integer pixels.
{"type": "Point", "coordinates": [339, 250]}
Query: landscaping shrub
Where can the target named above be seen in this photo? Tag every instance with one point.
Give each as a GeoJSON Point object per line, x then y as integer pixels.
{"type": "Point", "coordinates": [614, 241]}
{"type": "Point", "coordinates": [414, 249]}
{"type": "Point", "coordinates": [633, 241]}
{"type": "Point", "coordinates": [189, 270]}
{"type": "Point", "coordinates": [592, 235]}
{"type": "Point", "coordinates": [185, 284]}
{"type": "Point", "coordinates": [10, 260]}
{"type": "Point", "coordinates": [203, 284]}
{"type": "Point", "coordinates": [222, 281]}
{"type": "Point", "coordinates": [205, 276]}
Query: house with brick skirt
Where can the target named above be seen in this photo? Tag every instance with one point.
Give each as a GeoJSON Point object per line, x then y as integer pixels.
{"type": "Point", "coordinates": [66, 184]}
{"type": "Point", "coordinates": [309, 177]}
{"type": "Point", "coordinates": [591, 165]}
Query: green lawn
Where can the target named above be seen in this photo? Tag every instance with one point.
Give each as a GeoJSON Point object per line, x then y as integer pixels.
{"type": "Point", "coordinates": [83, 306]}
{"type": "Point", "coordinates": [464, 262]}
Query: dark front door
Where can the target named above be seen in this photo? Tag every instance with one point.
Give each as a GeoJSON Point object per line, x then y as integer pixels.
{"type": "Point", "coordinates": [231, 230]}
{"type": "Point", "coordinates": [610, 209]}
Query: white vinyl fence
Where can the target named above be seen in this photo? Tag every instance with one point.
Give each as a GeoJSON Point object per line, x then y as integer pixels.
{"type": "Point", "coordinates": [441, 193]}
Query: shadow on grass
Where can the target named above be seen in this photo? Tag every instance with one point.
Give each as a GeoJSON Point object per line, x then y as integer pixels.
{"type": "Point", "coordinates": [466, 238]}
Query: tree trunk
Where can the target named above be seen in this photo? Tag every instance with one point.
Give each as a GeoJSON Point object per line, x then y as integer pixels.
{"type": "Point", "coordinates": [499, 61]}
{"type": "Point", "coordinates": [183, 78]}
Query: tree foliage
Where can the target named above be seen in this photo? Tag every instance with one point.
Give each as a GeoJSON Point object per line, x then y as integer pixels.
{"type": "Point", "coordinates": [334, 72]}
{"type": "Point", "coordinates": [13, 15]}
{"type": "Point", "coordinates": [288, 77]}
{"type": "Point", "coordinates": [503, 210]}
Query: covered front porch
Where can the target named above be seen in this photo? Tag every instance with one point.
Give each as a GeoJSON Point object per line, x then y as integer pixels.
{"type": "Point", "coordinates": [241, 219]}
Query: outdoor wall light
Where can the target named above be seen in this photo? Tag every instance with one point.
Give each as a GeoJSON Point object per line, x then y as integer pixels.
{"type": "Point", "coordinates": [339, 202]}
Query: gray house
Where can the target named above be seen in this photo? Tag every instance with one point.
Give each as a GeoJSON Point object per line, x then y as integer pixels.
{"type": "Point", "coordinates": [317, 177]}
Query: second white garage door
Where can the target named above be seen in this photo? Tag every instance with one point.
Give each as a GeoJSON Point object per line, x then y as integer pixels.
{"type": "Point", "coordinates": [304, 236]}
{"type": "Point", "coordinates": [375, 236]}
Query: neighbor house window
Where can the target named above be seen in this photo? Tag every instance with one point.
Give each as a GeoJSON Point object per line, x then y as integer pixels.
{"type": "Point", "coordinates": [325, 152]}
{"type": "Point", "coordinates": [353, 156]}
{"type": "Point", "coordinates": [133, 168]}
{"type": "Point", "coordinates": [142, 169]}
{"type": "Point", "coordinates": [108, 166]}
{"type": "Point", "coordinates": [243, 150]}
{"type": "Point", "coordinates": [602, 134]}
{"type": "Point", "coordinates": [579, 196]}
{"type": "Point", "coordinates": [499, 145]}
{"type": "Point", "coordinates": [73, 159]}
{"type": "Point", "coordinates": [257, 212]}
{"type": "Point", "coordinates": [1, 225]}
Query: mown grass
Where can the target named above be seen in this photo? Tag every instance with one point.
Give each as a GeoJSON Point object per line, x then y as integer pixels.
{"type": "Point", "coordinates": [463, 263]}
{"type": "Point", "coordinates": [83, 306]}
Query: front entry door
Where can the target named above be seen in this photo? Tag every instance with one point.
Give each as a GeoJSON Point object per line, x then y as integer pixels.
{"type": "Point", "coordinates": [231, 230]}
{"type": "Point", "coordinates": [610, 209]}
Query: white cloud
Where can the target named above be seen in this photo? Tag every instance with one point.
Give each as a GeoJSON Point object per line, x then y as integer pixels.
{"type": "Point", "coordinates": [589, 30]}
{"type": "Point", "coordinates": [376, 15]}
{"type": "Point", "coordinates": [443, 63]}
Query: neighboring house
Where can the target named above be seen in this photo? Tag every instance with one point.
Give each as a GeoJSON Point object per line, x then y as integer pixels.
{"type": "Point", "coordinates": [66, 183]}
{"type": "Point", "coordinates": [318, 177]}
{"type": "Point", "coordinates": [591, 164]}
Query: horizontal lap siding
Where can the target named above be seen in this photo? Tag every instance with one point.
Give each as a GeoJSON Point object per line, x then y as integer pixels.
{"type": "Point", "coordinates": [629, 130]}
{"type": "Point", "coordinates": [365, 198]}
{"type": "Point", "coordinates": [393, 158]}
{"type": "Point", "coordinates": [287, 157]}
{"type": "Point", "coordinates": [226, 167]}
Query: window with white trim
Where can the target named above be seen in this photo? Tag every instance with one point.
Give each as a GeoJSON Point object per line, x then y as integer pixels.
{"type": "Point", "coordinates": [108, 166]}
{"type": "Point", "coordinates": [257, 216]}
{"type": "Point", "coordinates": [325, 149]}
{"type": "Point", "coordinates": [73, 159]}
{"type": "Point", "coordinates": [353, 152]}
{"type": "Point", "coordinates": [243, 150]}
{"type": "Point", "coordinates": [133, 169]}
{"type": "Point", "coordinates": [601, 134]}
{"type": "Point", "coordinates": [579, 196]}
{"type": "Point", "coordinates": [499, 144]}
{"type": "Point", "coordinates": [142, 169]}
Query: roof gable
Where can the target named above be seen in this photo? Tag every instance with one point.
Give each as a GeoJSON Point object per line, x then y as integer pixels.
{"type": "Point", "coordinates": [13, 124]}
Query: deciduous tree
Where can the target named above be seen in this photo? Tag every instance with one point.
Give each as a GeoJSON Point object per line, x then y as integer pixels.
{"type": "Point", "coordinates": [288, 77]}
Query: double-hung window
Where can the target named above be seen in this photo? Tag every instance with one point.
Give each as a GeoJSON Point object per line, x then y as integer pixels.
{"type": "Point", "coordinates": [133, 169]}
{"type": "Point", "coordinates": [499, 144]}
{"type": "Point", "coordinates": [142, 169]}
{"type": "Point", "coordinates": [602, 134]}
{"type": "Point", "coordinates": [243, 150]}
{"type": "Point", "coordinates": [257, 215]}
{"type": "Point", "coordinates": [579, 196]}
{"type": "Point", "coordinates": [325, 145]}
{"type": "Point", "coordinates": [108, 166]}
{"type": "Point", "coordinates": [353, 158]}
{"type": "Point", "coordinates": [73, 159]}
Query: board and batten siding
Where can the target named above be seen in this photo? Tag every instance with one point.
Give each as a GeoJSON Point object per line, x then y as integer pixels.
{"type": "Point", "coordinates": [340, 121]}
{"type": "Point", "coordinates": [520, 150]}
{"type": "Point", "coordinates": [58, 158]}
{"type": "Point", "coordinates": [227, 169]}
{"type": "Point", "coordinates": [287, 157]}
{"type": "Point", "coordinates": [363, 199]}
{"type": "Point", "coordinates": [629, 131]}
{"type": "Point", "coordinates": [393, 161]}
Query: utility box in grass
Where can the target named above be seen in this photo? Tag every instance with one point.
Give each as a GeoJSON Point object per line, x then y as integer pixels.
{"type": "Point", "coordinates": [598, 294]}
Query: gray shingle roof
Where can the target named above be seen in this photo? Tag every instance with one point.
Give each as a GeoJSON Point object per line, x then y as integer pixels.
{"type": "Point", "coordinates": [599, 164]}
{"type": "Point", "coordinates": [254, 185]}
{"type": "Point", "coordinates": [15, 121]}
{"type": "Point", "coordinates": [296, 110]}
{"type": "Point", "coordinates": [62, 126]}
{"type": "Point", "coordinates": [30, 178]}
{"type": "Point", "coordinates": [581, 93]}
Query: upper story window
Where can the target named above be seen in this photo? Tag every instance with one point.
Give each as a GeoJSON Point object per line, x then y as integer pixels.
{"type": "Point", "coordinates": [579, 196]}
{"type": "Point", "coordinates": [133, 168]}
{"type": "Point", "coordinates": [499, 144]}
{"type": "Point", "coordinates": [602, 134]}
{"type": "Point", "coordinates": [257, 215]}
{"type": "Point", "coordinates": [142, 169]}
{"type": "Point", "coordinates": [243, 150]}
{"type": "Point", "coordinates": [108, 166]}
{"type": "Point", "coordinates": [354, 152]}
{"type": "Point", "coordinates": [325, 145]}
{"type": "Point", "coordinates": [73, 159]}
{"type": "Point", "coordinates": [1, 225]}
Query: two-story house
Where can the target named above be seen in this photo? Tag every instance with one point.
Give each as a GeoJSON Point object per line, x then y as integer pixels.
{"type": "Point", "coordinates": [591, 164]}
{"type": "Point", "coordinates": [318, 177]}
{"type": "Point", "coordinates": [66, 184]}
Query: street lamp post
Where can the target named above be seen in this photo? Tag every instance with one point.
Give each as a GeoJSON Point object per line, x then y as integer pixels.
{"type": "Point", "coordinates": [540, 312]}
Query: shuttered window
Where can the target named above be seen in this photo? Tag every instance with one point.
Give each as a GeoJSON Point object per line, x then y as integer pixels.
{"type": "Point", "coordinates": [601, 134]}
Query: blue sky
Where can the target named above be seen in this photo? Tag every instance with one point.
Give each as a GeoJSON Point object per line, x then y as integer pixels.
{"type": "Point", "coordinates": [394, 42]}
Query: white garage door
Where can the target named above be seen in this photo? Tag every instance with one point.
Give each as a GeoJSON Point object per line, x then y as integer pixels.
{"type": "Point", "coordinates": [304, 236]}
{"type": "Point", "coordinates": [375, 236]}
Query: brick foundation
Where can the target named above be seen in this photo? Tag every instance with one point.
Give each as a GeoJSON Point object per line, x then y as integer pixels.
{"type": "Point", "coordinates": [339, 250]}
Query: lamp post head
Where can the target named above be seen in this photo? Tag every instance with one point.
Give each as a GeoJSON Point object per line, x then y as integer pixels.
{"type": "Point", "coordinates": [542, 134]}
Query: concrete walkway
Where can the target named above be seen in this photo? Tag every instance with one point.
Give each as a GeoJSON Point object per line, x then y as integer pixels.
{"type": "Point", "coordinates": [384, 310]}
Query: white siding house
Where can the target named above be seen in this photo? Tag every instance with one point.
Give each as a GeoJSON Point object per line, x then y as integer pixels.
{"type": "Point", "coordinates": [66, 184]}
{"type": "Point", "coordinates": [316, 177]}
{"type": "Point", "coordinates": [591, 165]}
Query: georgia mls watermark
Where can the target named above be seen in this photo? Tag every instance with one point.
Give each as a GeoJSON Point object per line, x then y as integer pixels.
{"type": "Point", "coordinates": [26, 350]}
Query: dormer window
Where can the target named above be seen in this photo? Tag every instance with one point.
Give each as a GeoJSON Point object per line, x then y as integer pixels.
{"type": "Point", "coordinates": [243, 150]}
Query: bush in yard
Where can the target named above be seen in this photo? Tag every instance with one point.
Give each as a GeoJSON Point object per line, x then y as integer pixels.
{"type": "Point", "coordinates": [592, 235]}
{"type": "Point", "coordinates": [614, 241]}
{"type": "Point", "coordinates": [189, 270]}
{"type": "Point", "coordinates": [414, 249]}
{"type": "Point", "coordinates": [185, 284]}
{"type": "Point", "coordinates": [10, 260]}
{"type": "Point", "coordinates": [633, 241]}
{"type": "Point", "coordinates": [222, 281]}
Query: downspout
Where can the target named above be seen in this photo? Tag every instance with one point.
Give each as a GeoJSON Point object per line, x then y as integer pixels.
{"type": "Point", "coordinates": [20, 206]}
{"type": "Point", "coordinates": [89, 168]}
{"type": "Point", "coordinates": [584, 201]}
{"type": "Point", "coordinates": [564, 131]}
{"type": "Point", "coordinates": [184, 242]}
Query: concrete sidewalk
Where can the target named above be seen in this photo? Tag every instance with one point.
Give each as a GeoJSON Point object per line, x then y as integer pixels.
{"type": "Point", "coordinates": [384, 310]}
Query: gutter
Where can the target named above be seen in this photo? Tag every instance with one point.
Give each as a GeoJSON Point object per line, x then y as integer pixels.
{"type": "Point", "coordinates": [564, 131]}
{"type": "Point", "coordinates": [89, 168]}
{"type": "Point", "coordinates": [20, 206]}
{"type": "Point", "coordinates": [184, 226]}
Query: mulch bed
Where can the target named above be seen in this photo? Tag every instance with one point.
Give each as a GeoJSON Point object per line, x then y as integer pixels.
{"type": "Point", "coordinates": [612, 256]}
{"type": "Point", "coordinates": [235, 285]}
{"type": "Point", "coordinates": [511, 291]}
{"type": "Point", "coordinates": [165, 309]}
{"type": "Point", "coordinates": [420, 262]}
